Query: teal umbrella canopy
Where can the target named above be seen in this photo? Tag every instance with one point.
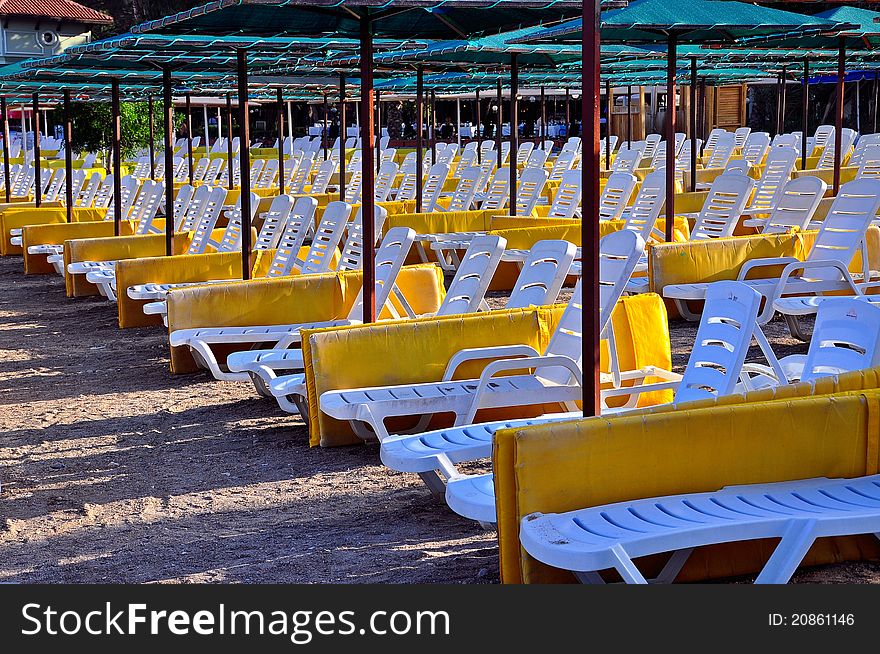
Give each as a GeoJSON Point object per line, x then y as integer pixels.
{"type": "Point", "coordinates": [419, 19]}
{"type": "Point", "coordinates": [694, 21]}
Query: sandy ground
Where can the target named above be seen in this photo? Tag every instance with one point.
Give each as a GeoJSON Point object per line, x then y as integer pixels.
{"type": "Point", "coordinates": [113, 470]}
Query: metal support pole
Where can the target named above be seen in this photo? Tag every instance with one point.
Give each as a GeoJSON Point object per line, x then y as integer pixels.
{"type": "Point", "coordinates": [567, 114]}
{"type": "Point", "coordinates": [514, 131]}
{"type": "Point", "coordinates": [38, 182]}
{"type": "Point", "coordinates": [838, 118]}
{"type": "Point", "coordinates": [207, 129]}
{"type": "Point", "coordinates": [68, 157]}
{"type": "Point", "coordinates": [189, 137]}
{"type": "Point", "coordinates": [290, 121]}
{"type": "Point", "coordinates": [876, 90]}
{"type": "Point", "coordinates": [590, 135]}
{"type": "Point", "coordinates": [230, 179]}
{"type": "Point", "coordinates": [343, 131]}
{"type": "Point", "coordinates": [778, 103]}
{"type": "Point", "coordinates": [479, 128]}
{"type": "Point", "coordinates": [168, 114]}
{"type": "Point", "coordinates": [433, 112]}
{"type": "Point", "coordinates": [368, 187]}
{"type": "Point", "coordinates": [671, 55]}
{"type": "Point", "coordinates": [498, 122]}
{"type": "Point", "coordinates": [280, 99]}
{"type": "Point", "coordinates": [6, 175]}
{"type": "Point", "coordinates": [629, 119]}
{"type": "Point", "coordinates": [244, 158]}
{"type": "Point", "coordinates": [324, 131]}
{"type": "Point", "coordinates": [420, 125]}
{"type": "Point", "coordinates": [378, 135]}
{"type": "Point", "coordinates": [117, 155]}
{"type": "Point", "coordinates": [782, 99]}
{"type": "Point", "coordinates": [458, 121]}
{"type": "Point", "coordinates": [693, 162]}
{"type": "Point", "coordinates": [543, 119]}
{"type": "Point", "coordinates": [609, 103]}
{"type": "Point", "coordinates": [151, 119]}
{"type": "Point", "coordinates": [805, 115]}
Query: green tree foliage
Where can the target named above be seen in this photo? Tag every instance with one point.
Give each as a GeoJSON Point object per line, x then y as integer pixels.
{"type": "Point", "coordinates": [92, 126]}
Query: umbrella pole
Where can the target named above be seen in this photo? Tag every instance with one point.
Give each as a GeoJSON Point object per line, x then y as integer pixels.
{"type": "Point", "coordinates": [230, 179]}
{"type": "Point", "coordinates": [498, 122]}
{"type": "Point", "coordinates": [343, 133]}
{"type": "Point", "coordinates": [420, 125]}
{"type": "Point", "coordinates": [876, 100]}
{"type": "Point", "coordinates": [168, 111]}
{"type": "Point", "coordinates": [567, 115]}
{"type": "Point", "coordinates": [783, 96]}
{"type": "Point", "coordinates": [778, 104]}
{"type": "Point", "coordinates": [117, 157]}
{"type": "Point", "coordinates": [629, 120]}
{"type": "Point", "coordinates": [219, 123]}
{"type": "Point", "coordinates": [368, 221]}
{"type": "Point", "coordinates": [609, 102]}
{"type": "Point", "coordinates": [378, 135]}
{"type": "Point", "coordinates": [543, 119]}
{"type": "Point", "coordinates": [479, 128]}
{"type": "Point", "coordinates": [280, 99]}
{"type": "Point", "coordinates": [838, 118]}
{"type": "Point", "coordinates": [189, 137]}
{"type": "Point", "coordinates": [151, 120]}
{"type": "Point", "coordinates": [805, 116]}
{"type": "Point", "coordinates": [38, 181]}
{"type": "Point", "coordinates": [514, 128]}
{"type": "Point", "coordinates": [244, 159]}
{"type": "Point", "coordinates": [207, 130]}
{"type": "Point", "coordinates": [290, 121]}
{"type": "Point", "coordinates": [590, 114]}
{"type": "Point", "coordinates": [6, 175]}
{"type": "Point", "coordinates": [703, 114]}
{"type": "Point", "coordinates": [693, 161]}
{"type": "Point", "coordinates": [432, 110]}
{"type": "Point", "coordinates": [458, 121]}
{"type": "Point", "coordinates": [671, 56]}
{"type": "Point", "coordinates": [68, 157]}
{"type": "Point", "coordinates": [324, 131]}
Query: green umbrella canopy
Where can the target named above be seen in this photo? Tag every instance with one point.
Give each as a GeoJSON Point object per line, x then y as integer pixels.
{"type": "Point", "coordinates": [862, 33]}
{"type": "Point", "coordinates": [489, 50]}
{"type": "Point", "coordinates": [694, 21]}
{"type": "Point", "coordinates": [459, 82]}
{"type": "Point", "coordinates": [394, 19]}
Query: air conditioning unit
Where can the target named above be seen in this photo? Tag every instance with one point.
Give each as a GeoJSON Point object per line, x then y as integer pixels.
{"type": "Point", "coordinates": [49, 38]}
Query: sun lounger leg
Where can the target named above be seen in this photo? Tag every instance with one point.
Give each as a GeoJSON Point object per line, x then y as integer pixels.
{"type": "Point", "coordinates": [794, 328]}
{"type": "Point", "coordinates": [434, 483]}
{"type": "Point", "coordinates": [673, 566]}
{"type": "Point", "coordinates": [626, 567]}
{"type": "Point", "coordinates": [685, 312]}
{"type": "Point", "coordinates": [790, 551]}
{"type": "Point", "coordinates": [589, 577]}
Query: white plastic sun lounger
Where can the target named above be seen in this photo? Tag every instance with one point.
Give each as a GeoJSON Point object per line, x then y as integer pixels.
{"type": "Point", "coordinates": [538, 284]}
{"type": "Point", "coordinates": [796, 512]}
{"type": "Point", "coordinates": [713, 369]}
{"type": "Point", "coordinates": [556, 378]}
{"type": "Point", "coordinates": [329, 233]}
{"type": "Point", "coordinates": [825, 268]}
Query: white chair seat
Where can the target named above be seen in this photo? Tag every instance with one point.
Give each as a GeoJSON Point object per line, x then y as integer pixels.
{"type": "Point", "coordinates": [473, 497]}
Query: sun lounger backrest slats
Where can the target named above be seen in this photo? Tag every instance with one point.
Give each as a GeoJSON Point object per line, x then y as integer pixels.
{"type": "Point", "coordinates": [146, 213]}
{"type": "Point", "coordinates": [293, 236]}
{"type": "Point", "coordinates": [478, 264]}
{"type": "Point", "coordinates": [463, 196]}
{"type": "Point", "coordinates": [756, 147]}
{"type": "Point", "coordinates": [322, 178]}
{"type": "Point", "coordinates": [190, 210]}
{"type": "Point", "coordinates": [722, 209]}
{"type": "Point", "coordinates": [433, 186]}
{"type": "Point", "coordinates": [467, 159]}
{"type": "Point", "coordinates": [231, 239]}
{"type": "Point", "coordinates": [256, 170]}
{"type": "Point", "coordinates": [563, 163]}
{"type": "Point", "coordinates": [208, 220]}
{"type": "Point", "coordinates": [649, 202]}
{"type": "Point", "coordinates": [390, 257]}
{"type": "Point", "coordinates": [523, 153]}
{"type": "Point", "coordinates": [274, 222]}
{"type": "Point", "coordinates": [537, 159]}
{"type": "Point", "coordinates": [542, 275]}
{"type": "Point", "coordinates": [384, 181]}
{"type": "Point", "coordinates": [843, 229]}
{"type": "Point", "coordinates": [798, 202]}
{"type": "Point", "coordinates": [626, 160]}
{"type": "Point", "coordinates": [722, 151]}
{"type": "Point", "coordinates": [487, 167]}
{"type": "Point", "coordinates": [846, 336]}
{"type": "Point", "coordinates": [847, 138]}
{"type": "Point", "coordinates": [352, 256]}
{"type": "Point", "coordinates": [777, 171]}
{"type": "Point", "coordinates": [567, 200]}
{"type": "Point", "coordinates": [200, 169]}
{"type": "Point", "coordinates": [531, 187]}
{"type": "Point", "coordinates": [499, 190]}
{"type": "Point", "coordinates": [616, 194]}
{"type": "Point", "coordinates": [214, 169]}
{"type": "Point", "coordinates": [738, 166]}
{"type": "Point", "coordinates": [326, 238]}
{"type": "Point", "coordinates": [741, 135]}
{"type": "Point", "coordinates": [722, 341]}
{"type": "Point", "coordinates": [869, 162]}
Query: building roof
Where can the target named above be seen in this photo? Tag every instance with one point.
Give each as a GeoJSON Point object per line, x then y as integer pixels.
{"type": "Point", "coordinates": [54, 9]}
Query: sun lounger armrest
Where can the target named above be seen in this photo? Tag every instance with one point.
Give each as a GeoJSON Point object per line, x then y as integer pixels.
{"type": "Point", "coordinates": [536, 362]}
{"type": "Point", "coordinates": [491, 352]}
{"type": "Point", "coordinates": [763, 263]}
{"type": "Point", "coordinates": [804, 266]}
